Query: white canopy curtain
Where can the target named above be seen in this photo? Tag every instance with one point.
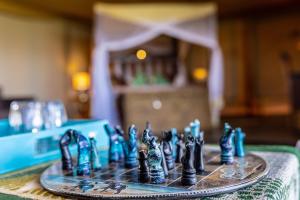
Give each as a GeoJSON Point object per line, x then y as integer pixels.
{"type": "Point", "coordinates": [123, 26]}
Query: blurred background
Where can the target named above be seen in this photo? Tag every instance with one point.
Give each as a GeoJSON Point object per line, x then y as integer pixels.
{"type": "Point", "coordinates": [47, 52]}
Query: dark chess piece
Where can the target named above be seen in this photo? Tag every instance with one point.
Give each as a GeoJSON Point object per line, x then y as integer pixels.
{"type": "Point", "coordinates": [188, 170]}
{"type": "Point", "coordinates": [180, 148]}
{"type": "Point", "coordinates": [95, 160]}
{"type": "Point", "coordinates": [163, 161]}
{"type": "Point", "coordinates": [131, 148]}
{"type": "Point", "coordinates": [168, 149]}
{"type": "Point", "coordinates": [239, 142]}
{"type": "Point", "coordinates": [66, 158]}
{"type": "Point", "coordinates": [226, 144]}
{"type": "Point", "coordinates": [156, 172]}
{"type": "Point", "coordinates": [199, 158]}
{"type": "Point", "coordinates": [143, 167]}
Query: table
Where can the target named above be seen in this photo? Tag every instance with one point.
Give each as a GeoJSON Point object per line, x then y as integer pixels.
{"type": "Point", "coordinates": [281, 183]}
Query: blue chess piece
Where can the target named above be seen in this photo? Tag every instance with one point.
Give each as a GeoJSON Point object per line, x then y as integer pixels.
{"type": "Point", "coordinates": [131, 148]}
{"type": "Point", "coordinates": [226, 144]}
{"type": "Point", "coordinates": [83, 149]}
{"type": "Point", "coordinates": [195, 128]}
{"type": "Point", "coordinates": [239, 142]}
{"type": "Point", "coordinates": [174, 141]}
{"type": "Point", "coordinates": [114, 144]}
{"type": "Point", "coordinates": [121, 140]}
{"type": "Point", "coordinates": [95, 161]}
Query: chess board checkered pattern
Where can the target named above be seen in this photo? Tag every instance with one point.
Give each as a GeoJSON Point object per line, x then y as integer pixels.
{"type": "Point", "coordinates": [115, 181]}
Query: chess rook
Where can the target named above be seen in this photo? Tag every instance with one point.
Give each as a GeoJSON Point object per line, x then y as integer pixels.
{"type": "Point", "coordinates": [188, 170]}
{"type": "Point", "coordinates": [239, 142]}
{"type": "Point", "coordinates": [66, 158]}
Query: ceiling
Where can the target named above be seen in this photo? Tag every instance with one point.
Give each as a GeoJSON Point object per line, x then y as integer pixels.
{"type": "Point", "coordinates": [83, 9]}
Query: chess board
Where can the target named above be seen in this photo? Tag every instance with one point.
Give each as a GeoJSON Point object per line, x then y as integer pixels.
{"type": "Point", "coordinates": [116, 182]}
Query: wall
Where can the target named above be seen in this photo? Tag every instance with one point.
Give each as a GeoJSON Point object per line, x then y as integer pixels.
{"type": "Point", "coordinates": [256, 80]}
{"type": "Point", "coordinates": [38, 53]}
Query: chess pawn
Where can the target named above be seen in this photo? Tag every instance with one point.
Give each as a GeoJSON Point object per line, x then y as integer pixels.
{"type": "Point", "coordinates": [156, 172]}
{"type": "Point", "coordinates": [131, 148]}
{"type": "Point", "coordinates": [239, 142]}
{"type": "Point", "coordinates": [143, 167]}
{"type": "Point", "coordinates": [199, 159]}
{"type": "Point", "coordinates": [95, 161]}
{"type": "Point", "coordinates": [83, 160]}
{"type": "Point", "coordinates": [167, 149]}
{"type": "Point", "coordinates": [180, 148]}
{"type": "Point", "coordinates": [188, 170]}
{"type": "Point", "coordinates": [226, 144]}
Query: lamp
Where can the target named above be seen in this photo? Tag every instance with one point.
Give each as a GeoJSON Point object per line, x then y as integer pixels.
{"type": "Point", "coordinates": [81, 81]}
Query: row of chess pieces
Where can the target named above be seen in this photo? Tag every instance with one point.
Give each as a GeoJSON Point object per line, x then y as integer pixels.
{"type": "Point", "coordinates": [153, 158]}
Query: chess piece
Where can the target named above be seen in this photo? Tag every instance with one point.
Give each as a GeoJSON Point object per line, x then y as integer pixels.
{"type": "Point", "coordinates": [180, 148]}
{"type": "Point", "coordinates": [195, 128]}
{"type": "Point", "coordinates": [66, 158]}
{"type": "Point", "coordinates": [121, 140]}
{"type": "Point", "coordinates": [156, 172]}
{"type": "Point", "coordinates": [148, 126]}
{"type": "Point", "coordinates": [95, 161]}
{"type": "Point", "coordinates": [226, 144]}
{"type": "Point", "coordinates": [163, 160]}
{"type": "Point", "coordinates": [239, 142]}
{"type": "Point", "coordinates": [114, 144]}
{"type": "Point", "coordinates": [187, 132]}
{"type": "Point", "coordinates": [199, 157]}
{"type": "Point", "coordinates": [168, 149]}
{"type": "Point", "coordinates": [146, 137]}
{"type": "Point", "coordinates": [131, 148]}
{"type": "Point", "coordinates": [83, 149]}
{"type": "Point", "coordinates": [174, 142]}
{"type": "Point", "coordinates": [188, 170]}
{"type": "Point", "coordinates": [143, 167]}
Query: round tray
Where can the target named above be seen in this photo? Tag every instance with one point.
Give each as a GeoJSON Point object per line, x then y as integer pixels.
{"type": "Point", "coordinates": [117, 182]}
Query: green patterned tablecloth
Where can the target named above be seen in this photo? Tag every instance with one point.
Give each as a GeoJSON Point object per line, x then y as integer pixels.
{"type": "Point", "coordinates": [281, 183]}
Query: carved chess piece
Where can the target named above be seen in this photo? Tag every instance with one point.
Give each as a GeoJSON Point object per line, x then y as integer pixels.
{"type": "Point", "coordinates": [168, 149]}
{"type": "Point", "coordinates": [95, 161]}
{"type": "Point", "coordinates": [174, 142]}
{"type": "Point", "coordinates": [121, 140]}
{"type": "Point", "coordinates": [65, 140]}
{"type": "Point", "coordinates": [156, 172]}
{"type": "Point", "coordinates": [131, 148]}
{"type": "Point", "coordinates": [226, 144]}
{"type": "Point", "coordinates": [83, 149]}
{"type": "Point", "coordinates": [239, 142]}
{"type": "Point", "coordinates": [199, 157]}
{"type": "Point", "coordinates": [195, 128]}
{"type": "Point", "coordinates": [188, 170]}
{"type": "Point", "coordinates": [114, 144]}
{"type": "Point", "coordinates": [180, 148]}
{"type": "Point", "coordinates": [143, 167]}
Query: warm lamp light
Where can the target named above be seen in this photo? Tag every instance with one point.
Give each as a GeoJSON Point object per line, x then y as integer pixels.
{"type": "Point", "coordinates": [81, 81]}
{"type": "Point", "coordinates": [141, 54]}
{"type": "Point", "coordinates": [200, 74]}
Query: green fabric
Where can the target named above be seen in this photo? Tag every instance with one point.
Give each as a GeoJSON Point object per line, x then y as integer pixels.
{"type": "Point", "coordinates": [275, 148]}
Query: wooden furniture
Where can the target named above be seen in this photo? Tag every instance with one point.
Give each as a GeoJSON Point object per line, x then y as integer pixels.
{"type": "Point", "coordinates": [165, 107]}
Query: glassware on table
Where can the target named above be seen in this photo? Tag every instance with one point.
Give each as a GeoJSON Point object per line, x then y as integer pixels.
{"type": "Point", "coordinates": [15, 116]}
{"type": "Point", "coordinates": [54, 114]}
{"type": "Point", "coordinates": [33, 116]}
